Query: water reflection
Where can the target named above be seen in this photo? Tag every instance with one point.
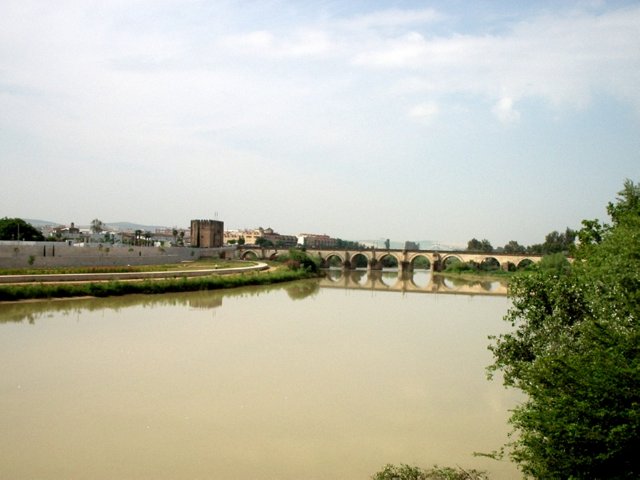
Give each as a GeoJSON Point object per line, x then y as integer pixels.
{"type": "Point", "coordinates": [210, 299]}
{"type": "Point", "coordinates": [419, 281]}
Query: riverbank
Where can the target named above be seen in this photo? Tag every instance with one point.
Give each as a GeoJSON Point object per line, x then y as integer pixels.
{"type": "Point", "coordinates": [212, 280]}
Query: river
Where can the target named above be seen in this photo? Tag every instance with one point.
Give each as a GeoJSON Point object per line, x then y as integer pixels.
{"type": "Point", "coordinates": [326, 379]}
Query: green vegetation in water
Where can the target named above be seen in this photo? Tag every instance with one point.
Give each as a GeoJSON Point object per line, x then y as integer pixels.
{"type": "Point", "coordinates": [409, 472]}
{"type": "Point", "coordinates": [104, 289]}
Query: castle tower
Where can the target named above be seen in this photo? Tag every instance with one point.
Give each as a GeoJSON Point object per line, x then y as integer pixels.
{"type": "Point", "coordinates": [207, 233]}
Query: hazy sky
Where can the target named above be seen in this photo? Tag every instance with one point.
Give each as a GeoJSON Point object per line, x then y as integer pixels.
{"type": "Point", "coordinates": [408, 120]}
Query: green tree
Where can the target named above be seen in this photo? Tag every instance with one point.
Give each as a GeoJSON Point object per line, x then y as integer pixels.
{"type": "Point", "coordinates": [18, 229]}
{"type": "Point", "coordinates": [556, 242]}
{"type": "Point", "coordinates": [264, 242]}
{"type": "Point", "coordinates": [514, 247]}
{"type": "Point", "coordinates": [96, 225]}
{"type": "Point", "coordinates": [475, 245]}
{"type": "Point", "coordinates": [297, 259]}
{"type": "Point", "coordinates": [592, 232]}
{"type": "Point", "coordinates": [555, 263]}
{"type": "Point", "coordinates": [575, 353]}
{"type": "Point", "coordinates": [628, 202]}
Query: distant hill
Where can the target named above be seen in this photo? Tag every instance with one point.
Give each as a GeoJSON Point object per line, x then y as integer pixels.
{"type": "Point", "coordinates": [134, 226]}
{"type": "Point", "coordinates": [40, 223]}
{"type": "Point", "coordinates": [122, 226]}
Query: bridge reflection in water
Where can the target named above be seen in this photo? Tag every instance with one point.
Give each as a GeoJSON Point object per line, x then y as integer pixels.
{"type": "Point", "coordinates": [418, 281]}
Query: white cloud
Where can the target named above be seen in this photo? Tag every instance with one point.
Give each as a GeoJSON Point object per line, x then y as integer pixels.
{"type": "Point", "coordinates": [306, 42]}
{"type": "Point", "coordinates": [424, 111]}
{"type": "Point", "coordinates": [394, 18]}
{"type": "Point", "coordinates": [564, 59]}
{"type": "Point", "coordinates": [505, 112]}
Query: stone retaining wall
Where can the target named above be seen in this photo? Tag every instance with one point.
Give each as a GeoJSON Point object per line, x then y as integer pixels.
{"type": "Point", "coordinates": [60, 254]}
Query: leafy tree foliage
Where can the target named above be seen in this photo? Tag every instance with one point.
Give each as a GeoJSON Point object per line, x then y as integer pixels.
{"type": "Point", "coordinates": [514, 247]}
{"type": "Point", "coordinates": [18, 229]}
{"type": "Point", "coordinates": [475, 245]}
{"type": "Point", "coordinates": [575, 352]}
{"type": "Point", "coordinates": [298, 259]}
{"type": "Point", "coordinates": [264, 242]}
{"type": "Point", "coordinates": [555, 242]}
{"type": "Point", "coordinates": [555, 263]}
{"type": "Point", "coordinates": [409, 472]}
{"type": "Point", "coordinates": [348, 244]}
{"type": "Point", "coordinates": [97, 225]}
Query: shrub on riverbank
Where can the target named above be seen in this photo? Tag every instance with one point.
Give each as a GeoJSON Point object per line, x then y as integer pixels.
{"type": "Point", "coordinates": [575, 352]}
{"type": "Point", "coordinates": [114, 288]}
{"type": "Point", "coordinates": [408, 472]}
{"type": "Point", "coordinates": [298, 259]}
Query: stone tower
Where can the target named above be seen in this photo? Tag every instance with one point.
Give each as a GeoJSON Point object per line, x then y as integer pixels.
{"type": "Point", "coordinates": [207, 233]}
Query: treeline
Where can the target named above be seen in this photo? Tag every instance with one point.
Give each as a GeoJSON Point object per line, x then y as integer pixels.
{"type": "Point", "coordinates": [18, 229]}
{"type": "Point", "coordinates": [554, 242]}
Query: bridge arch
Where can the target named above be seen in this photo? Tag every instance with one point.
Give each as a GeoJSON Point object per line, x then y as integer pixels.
{"type": "Point", "coordinates": [331, 259]}
{"type": "Point", "coordinates": [450, 259]}
{"type": "Point", "coordinates": [420, 262]}
{"type": "Point", "coordinates": [509, 266]}
{"type": "Point", "coordinates": [389, 260]}
{"type": "Point", "coordinates": [524, 263]}
{"type": "Point", "coordinates": [249, 255]}
{"type": "Point", "coordinates": [360, 260]}
{"type": "Point", "coordinates": [490, 263]}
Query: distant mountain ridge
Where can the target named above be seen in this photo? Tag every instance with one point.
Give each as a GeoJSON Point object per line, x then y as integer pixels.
{"type": "Point", "coordinates": [135, 226]}
{"type": "Point", "coordinates": [109, 225]}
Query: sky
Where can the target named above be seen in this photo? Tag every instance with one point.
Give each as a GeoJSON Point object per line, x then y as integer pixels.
{"type": "Point", "coordinates": [408, 120]}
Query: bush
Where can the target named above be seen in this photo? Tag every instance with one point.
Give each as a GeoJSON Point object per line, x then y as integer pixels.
{"type": "Point", "coordinates": [461, 267]}
{"type": "Point", "coordinates": [298, 259]}
{"type": "Point", "coordinates": [408, 472]}
{"type": "Point", "coordinates": [575, 353]}
{"type": "Point", "coordinates": [555, 263]}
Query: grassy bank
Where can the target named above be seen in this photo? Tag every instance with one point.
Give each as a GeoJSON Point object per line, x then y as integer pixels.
{"type": "Point", "coordinates": [105, 289]}
{"type": "Point", "coordinates": [201, 264]}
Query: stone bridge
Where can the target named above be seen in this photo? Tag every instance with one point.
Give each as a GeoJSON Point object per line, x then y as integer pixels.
{"type": "Point", "coordinates": [374, 259]}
